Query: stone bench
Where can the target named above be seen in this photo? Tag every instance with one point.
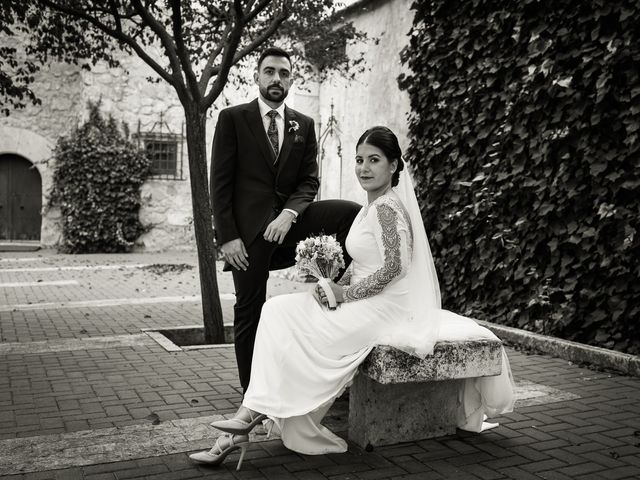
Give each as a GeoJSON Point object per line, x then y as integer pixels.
{"type": "Point", "coordinates": [397, 397]}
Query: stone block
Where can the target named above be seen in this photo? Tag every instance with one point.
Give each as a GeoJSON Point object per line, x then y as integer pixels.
{"type": "Point", "coordinates": [450, 360]}
{"type": "Point", "coordinates": [386, 414]}
{"type": "Point", "coordinates": [397, 397]}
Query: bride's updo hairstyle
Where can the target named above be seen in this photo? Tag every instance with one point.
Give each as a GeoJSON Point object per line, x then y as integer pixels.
{"type": "Point", "coordinates": [384, 139]}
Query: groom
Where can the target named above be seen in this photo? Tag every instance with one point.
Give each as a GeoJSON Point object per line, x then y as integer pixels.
{"type": "Point", "coordinates": [264, 177]}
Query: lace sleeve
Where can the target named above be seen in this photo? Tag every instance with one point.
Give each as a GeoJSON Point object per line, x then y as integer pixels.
{"type": "Point", "coordinates": [345, 279]}
{"type": "Point", "coordinates": [394, 241]}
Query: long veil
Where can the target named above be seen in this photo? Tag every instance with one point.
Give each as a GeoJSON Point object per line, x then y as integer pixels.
{"type": "Point", "coordinates": [428, 323]}
{"type": "Point", "coordinates": [419, 333]}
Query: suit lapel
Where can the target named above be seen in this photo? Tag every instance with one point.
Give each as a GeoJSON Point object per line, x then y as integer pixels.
{"type": "Point", "coordinates": [254, 120]}
{"type": "Point", "coordinates": [287, 143]}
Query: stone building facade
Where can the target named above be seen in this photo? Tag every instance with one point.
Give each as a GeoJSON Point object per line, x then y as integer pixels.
{"type": "Point", "coordinates": [148, 109]}
{"type": "Point", "coordinates": [373, 98]}
{"type": "Point", "coordinates": [342, 108]}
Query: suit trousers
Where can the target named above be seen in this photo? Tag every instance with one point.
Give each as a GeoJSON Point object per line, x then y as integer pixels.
{"type": "Point", "coordinates": [322, 217]}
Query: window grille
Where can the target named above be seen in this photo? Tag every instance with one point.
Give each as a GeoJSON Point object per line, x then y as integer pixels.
{"type": "Point", "coordinates": [164, 148]}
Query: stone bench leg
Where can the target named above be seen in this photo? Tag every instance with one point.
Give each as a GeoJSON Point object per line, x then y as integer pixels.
{"type": "Point", "coordinates": [388, 414]}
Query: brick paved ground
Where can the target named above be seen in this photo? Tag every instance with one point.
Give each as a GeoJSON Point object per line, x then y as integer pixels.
{"type": "Point", "coordinates": [55, 386]}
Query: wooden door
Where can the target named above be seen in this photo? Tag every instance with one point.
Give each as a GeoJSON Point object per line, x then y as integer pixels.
{"type": "Point", "coordinates": [20, 199]}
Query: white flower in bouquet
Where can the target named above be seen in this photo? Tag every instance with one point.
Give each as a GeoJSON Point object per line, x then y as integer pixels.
{"type": "Point", "coordinates": [320, 257]}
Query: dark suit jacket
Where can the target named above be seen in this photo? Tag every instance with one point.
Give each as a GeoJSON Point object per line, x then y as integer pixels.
{"type": "Point", "coordinates": [247, 190]}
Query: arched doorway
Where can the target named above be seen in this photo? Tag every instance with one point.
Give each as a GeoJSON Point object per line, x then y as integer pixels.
{"type": "Point", "coordinates": [20, 199]}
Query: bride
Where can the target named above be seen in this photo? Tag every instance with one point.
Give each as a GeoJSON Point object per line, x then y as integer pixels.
{"type": "Point", "coordinates": [306, 354]}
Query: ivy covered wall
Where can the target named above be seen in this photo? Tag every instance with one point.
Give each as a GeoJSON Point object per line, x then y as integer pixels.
{"type": "Point", "coordinates": [524, 142]}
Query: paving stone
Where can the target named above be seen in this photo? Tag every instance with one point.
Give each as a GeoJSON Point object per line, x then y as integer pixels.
{"type": "Point", "coordinates": [448, 470]}
{"type": "Point", "coordinates": [411, 465]}
{"type": "Point", "coordinates": [576, 471]}
{"type": "Point", "coordinates": [307, 462]}
{"type": "Point", "coordinates": [543, 465]}
{"type": "Point", "coordinates": [472, 458]}
{"type": "Point", "coordinates": [309, 475]}
{"type": "Point", "coordinates": [495, 450]}
{"type": "Point", "coordinates": [622, 472]}
{"type": "Point", "coordinates": [516, 473]}
{"type": "Point", "coordinates": [420, 476]}
{"type": "Point", "coordinates": [333, 470]}
{"type": "Point", "coordinates": [100, 476]}
{"type": "Point", "coordinates": [140, 472]}
{"type": "Point", "coordinates": [181, 475]}
{"type": "Point", "coordinates": [483, 472]}
{"type": "Point", "coordinates": [381, 473]}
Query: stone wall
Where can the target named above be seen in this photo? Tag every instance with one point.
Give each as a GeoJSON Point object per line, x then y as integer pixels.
{"type": "Point", "coordinates": [373, 98]}
{"type": "Point", "coordinates": [147, 107]}
{"type": "Point", "coordinates": [32, 132]}
{"type": "Point", "coordinates": [59, 87]}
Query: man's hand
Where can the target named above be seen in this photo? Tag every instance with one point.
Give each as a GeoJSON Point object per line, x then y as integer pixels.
{"type": "Point", "coordinates": [235, 253]}
{"type": "Point", "coordinates": [278, 229]}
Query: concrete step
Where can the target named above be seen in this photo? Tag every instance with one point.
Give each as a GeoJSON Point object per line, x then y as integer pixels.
{"type": "Point", "coordinates": [19, 246]}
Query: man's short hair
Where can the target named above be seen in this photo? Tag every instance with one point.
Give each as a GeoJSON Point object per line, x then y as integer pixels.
{"type": "Point", "coordinates": [273, 52]}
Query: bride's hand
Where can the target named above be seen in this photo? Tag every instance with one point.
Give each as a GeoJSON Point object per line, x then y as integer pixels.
{"type": "Point", "coordinates": [321, 297]}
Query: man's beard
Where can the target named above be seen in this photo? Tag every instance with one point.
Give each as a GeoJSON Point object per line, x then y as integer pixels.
{"type": "Point", "coordinates": [278, 97]}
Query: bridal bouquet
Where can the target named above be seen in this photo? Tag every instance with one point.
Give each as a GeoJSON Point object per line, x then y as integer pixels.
{"type": "Point", "coordinates": [321, 257]}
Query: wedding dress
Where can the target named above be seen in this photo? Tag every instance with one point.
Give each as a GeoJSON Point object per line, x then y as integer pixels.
{"type": "Point", "coordinates": [305, 355]}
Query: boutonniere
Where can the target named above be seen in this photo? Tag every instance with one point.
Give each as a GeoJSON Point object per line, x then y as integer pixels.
{"type": "Point", "coordinates": [293, 126]}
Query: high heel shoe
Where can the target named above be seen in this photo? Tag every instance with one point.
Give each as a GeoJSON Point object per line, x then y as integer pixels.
{"type": "Point", "coordinates": [239, 427]}
{"type": "Point", "coordinates": [217, 454]}
{"type": "Point", "coordinates": [268, 424]}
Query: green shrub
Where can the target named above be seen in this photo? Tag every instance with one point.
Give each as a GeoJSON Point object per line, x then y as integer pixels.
{"type": "Point", "coordinates": [524, 145]}
{"type": "Point", "coordinates": [97, 178]}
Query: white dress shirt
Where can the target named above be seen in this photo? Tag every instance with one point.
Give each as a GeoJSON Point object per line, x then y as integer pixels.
{"type": "Point", "coordinates": [266, 120]}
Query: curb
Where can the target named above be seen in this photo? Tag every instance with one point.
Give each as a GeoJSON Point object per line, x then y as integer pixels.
{"type": "Point", "coordinates": [188, 342]}
{"type": "Point", "coordinates": [575, 352]}
{"type": "Point", "coordinates": [18, 246]}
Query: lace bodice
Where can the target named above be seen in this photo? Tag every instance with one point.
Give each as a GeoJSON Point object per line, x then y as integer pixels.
{"type": "Point", "coordinates": [380, 243]}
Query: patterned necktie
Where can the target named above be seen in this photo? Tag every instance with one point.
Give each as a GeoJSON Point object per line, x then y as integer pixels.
{"type": "Point", "coordinates": [272, 132]}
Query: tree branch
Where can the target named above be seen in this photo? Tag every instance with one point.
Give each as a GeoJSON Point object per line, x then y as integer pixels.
{"type": "Point", "coordinates": [165, 40]}
{"type": "Point", "coordinates": [237, 6]}
{"type": "Point", "coordinates": [182, 51]}
{"type": "Point", "coordinates": [222, 71]}
{"type": "Point", "coordinates": [230, 48]}
{"type": "Point", "coordinates": [256, 11]}
{"type": "Point", "coordinates": [207, 72]}
{"type": "Point", "coordinates": [116, 16]}
{"type": "Point", "coordinates": [260, 39]}
{"type": "Point", "coordinates": [117, 34]}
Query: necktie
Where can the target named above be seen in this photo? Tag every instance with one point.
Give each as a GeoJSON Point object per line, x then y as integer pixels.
{"type": "Point", "coordinates": [272, 133]}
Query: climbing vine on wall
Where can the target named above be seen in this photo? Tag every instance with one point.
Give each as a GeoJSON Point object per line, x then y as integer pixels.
{"type": "Point", "coordinates": [97, 178]}
{"type": "Point", "coordinates": [524, 143]}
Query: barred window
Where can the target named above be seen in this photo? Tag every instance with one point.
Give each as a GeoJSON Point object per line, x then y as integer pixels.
{"type": "Point", "coordinates": [163, 155]}
{"type": "Point", "coordinates": [164, 150]}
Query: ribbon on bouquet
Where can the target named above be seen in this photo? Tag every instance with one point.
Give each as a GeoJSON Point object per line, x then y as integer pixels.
{"type": "Point", "coordinates": [331, 298]}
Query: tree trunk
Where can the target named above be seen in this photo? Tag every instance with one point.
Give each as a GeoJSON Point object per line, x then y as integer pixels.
{"type": "Point", "coordinates": [202, 221]}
